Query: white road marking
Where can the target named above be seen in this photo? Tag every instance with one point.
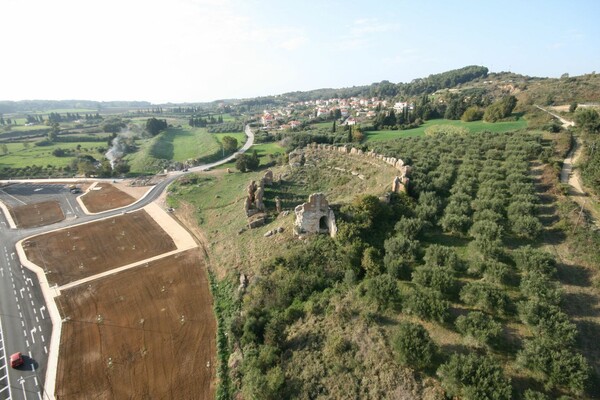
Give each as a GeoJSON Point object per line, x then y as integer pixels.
{"type": "Point", "coordinates": [42, 308]}
{"type": "Point", "coordinates": [36, 318]}
{"type": "Point", "coordinates": [22, 382]}
{"type": "Point", "coordinates": [34, 330]}
{"type": "Point", "coordinates": [26, 342]}
{"type": "Point", "coordinates": [13, 197]}
{"type": "Point", "coordinates": [43, 340]}
{"type": "Point", "coordinates": [4, 356]}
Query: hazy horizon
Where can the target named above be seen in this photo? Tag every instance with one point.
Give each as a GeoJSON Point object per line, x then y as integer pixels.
{"type": "Point", "coordinates": [206, 50]}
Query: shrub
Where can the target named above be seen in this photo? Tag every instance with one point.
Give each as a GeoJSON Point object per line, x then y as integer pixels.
{"type": "Point", "coordinates": [479, 327]}
{"type": "Point", "coordinates": [472, 114]}
{"type": "Point", "coordinates": [371, 262]}
{"type": "Point", "coordinates": [413, 346]}
{"type": "Point", "coordinates": [560, 366]}
{"type": "Point", "coordinates": [428, 304]}
{"type": "Point", "coordinates": [437, 278]}
{"type": "Point", "coordinates": [410, 228]}
{"type": "Point", "coordinates": [540, 286]}
{"type": "Point", "coordinates": [399, 246]}
{"type": "Point", "coordinates": [442, 256]}
{"type": "Point", "coordinates": [383, 290]}
{"type": "Point", "coordinates": [455, 223]}
{"type": "Point", "coordinates": [535, 261]}
{"type": "Point", "coordinates": [474, 377]}
{"type": "Point", "coordinates": [527, 226]}
{"type": "Point", "coordinates": [486, 297]}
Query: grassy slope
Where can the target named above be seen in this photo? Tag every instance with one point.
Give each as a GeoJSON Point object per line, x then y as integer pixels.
{"type": "Point", "coordinates": [218, 202]}
{"type": "Point", "coordinates": [475, 126]}
{"type": "Point", "coordinates": [178, 144]}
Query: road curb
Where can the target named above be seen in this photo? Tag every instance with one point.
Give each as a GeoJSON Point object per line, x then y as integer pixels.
{"type": "Point", "coordinates": [49, 293]}
{"type": "Point", "coordinates": [8, 216]}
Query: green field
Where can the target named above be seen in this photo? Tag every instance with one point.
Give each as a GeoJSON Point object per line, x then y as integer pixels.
{"type": "Point", "coordinates": [474, 127]}
{"type": "Point", "coordinates": [19, 157]}
{"type": "Point", "coordinates": [322, 125]}
{"type": "Point", "coordinates": [265, 149]}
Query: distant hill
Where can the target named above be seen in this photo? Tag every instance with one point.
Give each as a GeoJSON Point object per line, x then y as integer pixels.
{"type": "Point", "coordinates": [7, 106]}
{"type": "Point", "coordinates": [529, 90]}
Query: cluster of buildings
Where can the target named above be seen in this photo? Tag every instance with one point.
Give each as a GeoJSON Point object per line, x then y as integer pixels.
{"type": "Point", "coordinates": [348, 111]}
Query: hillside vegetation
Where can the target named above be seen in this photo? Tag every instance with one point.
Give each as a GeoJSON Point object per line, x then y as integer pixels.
{"type": "Point", "coordinates": [449, 290]}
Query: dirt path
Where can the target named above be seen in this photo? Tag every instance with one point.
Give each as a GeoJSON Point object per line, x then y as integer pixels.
{"type": "Point", "coordinates": [571, 177]}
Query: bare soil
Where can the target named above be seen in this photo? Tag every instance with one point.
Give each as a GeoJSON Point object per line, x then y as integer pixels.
{"type": "Point", "coordinates": [38, 214]}
{"type": "Point", "coordinates": [146, 333]}
{"type": "Point", "coordinates": [104, 197]}
{"type": "Point", "coordinates": [85, 250]}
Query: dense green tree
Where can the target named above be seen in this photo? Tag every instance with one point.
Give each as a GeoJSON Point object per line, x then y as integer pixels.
{"type": "Point", "coordinates": [437, 278]}
{"type": "Point", "coordinates": [245, 162]}
{"type": "Point", "coordinates": [479, 327]}
{"type": "Point", "coordinates": [588, 119]}
{"type": "Point", "coordinates": [472, 113]}
{"type": "Point", "coordinates": [474, 377]}
{"type": "Point", "coordinates": [412, 346]}
{"type": "Point", "coordinates": [113, 125]}
{"type": "Point", "coordinates": [383, 290]}
{"type": "Point", "coordinates": [230, 144]}
{"type": "Point", "coordinates": [427, 304]}
{"type": "Point", "coordinates": [560, 366]}
{"type": "Point", "coordinates": [442, 256]}
{"type": "Point", "coordinates": [485, 297]}
{"type": "Point", "coordinates": [154, 126]}
{"type": "Point", "coordinates": [371, 262]}
{"type": "Point", "coordinates": [410, 228]}
{"type": "Point", "coordinates": [500, 109]}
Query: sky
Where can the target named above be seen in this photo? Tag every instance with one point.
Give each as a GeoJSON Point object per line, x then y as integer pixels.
{"type": "Point", "coordinates": [204, 50]}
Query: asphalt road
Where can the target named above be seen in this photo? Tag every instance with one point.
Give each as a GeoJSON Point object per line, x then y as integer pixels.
{"type": "Point", "coordinates": [25, 325]}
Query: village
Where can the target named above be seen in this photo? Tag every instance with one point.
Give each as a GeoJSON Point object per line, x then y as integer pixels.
{"type": "Point", "coordinates": [351, 111]}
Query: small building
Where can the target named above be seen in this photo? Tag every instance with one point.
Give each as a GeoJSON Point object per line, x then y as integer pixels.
{"type": "Point", "coordinates": [315, 216]}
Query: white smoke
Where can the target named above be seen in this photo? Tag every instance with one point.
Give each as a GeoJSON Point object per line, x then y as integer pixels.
{"type": "Point", "coordinates": [119, 146]}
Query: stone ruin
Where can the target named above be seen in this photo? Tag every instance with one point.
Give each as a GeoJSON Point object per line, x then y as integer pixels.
{"type": "Point", "coordinates": [400, 182]}
{"type": "Point", "coordinates": [254, 205]}
{"type": "Point", "coordinates": [315, 216]}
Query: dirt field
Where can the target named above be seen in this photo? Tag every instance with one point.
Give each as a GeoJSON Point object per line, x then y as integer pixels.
{"type": "Point", "coordinates": [104, 197]}
{"type": "Point", "coordinates": [38, 214]}
{"type": "Point", "coordinates": [146, 333]}
{"type": "Point", "coordinates": [85, 250]}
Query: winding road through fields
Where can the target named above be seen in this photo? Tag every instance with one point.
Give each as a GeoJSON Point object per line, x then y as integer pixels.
{"type": "Point", "coordinates": [26, 302]}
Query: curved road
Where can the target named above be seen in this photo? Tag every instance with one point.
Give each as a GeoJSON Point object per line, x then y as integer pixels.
{"type": "Point", "coordinates": [24, 315]}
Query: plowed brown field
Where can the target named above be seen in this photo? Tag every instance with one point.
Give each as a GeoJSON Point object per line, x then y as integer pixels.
{"type": "Point", "coordinates": [38, 214]}
{"type": "Point", "coordinates": [145, 333]}
{"type": "Point", "coordinates": [85, 250]}
{"type": "Point", "coordinates": [105, 197]}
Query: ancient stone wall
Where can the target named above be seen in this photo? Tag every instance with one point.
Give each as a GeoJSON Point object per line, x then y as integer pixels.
{"type": "Point", "coordinates": [315, 216]}
{"type": "Point", "coordinates": [399, 184]}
